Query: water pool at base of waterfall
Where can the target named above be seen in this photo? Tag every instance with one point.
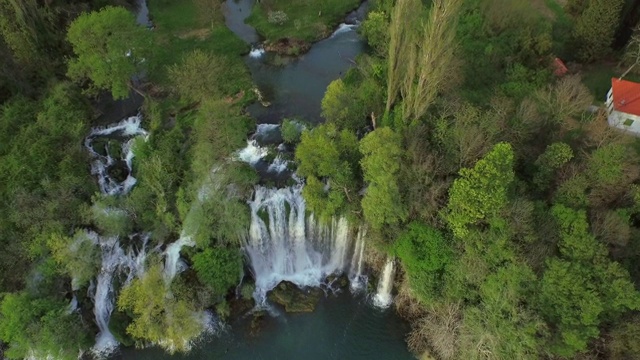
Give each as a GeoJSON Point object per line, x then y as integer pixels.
{"type": "Point", "coordinates": [345, 327]}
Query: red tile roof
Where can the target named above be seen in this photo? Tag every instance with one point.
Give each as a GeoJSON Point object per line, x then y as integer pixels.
{"type": "Point", "coordinates": [626, 96]}
{"type": "Point", "coordinates": [559, 67]}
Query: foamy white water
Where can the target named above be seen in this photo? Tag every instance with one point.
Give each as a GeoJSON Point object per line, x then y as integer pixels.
{"type": "Point", "coordinates": [383, 298]}
{"type": "Point", "coordinates": [285, 245]}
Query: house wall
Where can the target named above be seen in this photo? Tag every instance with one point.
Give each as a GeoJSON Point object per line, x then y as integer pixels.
{"type": "Point", "coordinates": [616, 118]}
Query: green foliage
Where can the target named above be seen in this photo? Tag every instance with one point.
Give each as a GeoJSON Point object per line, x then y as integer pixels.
{"type": "Point", "coordinates": [425, 253]}
{"type": "Point", "coordinates": [247, 291]}
{"type": "Point", "coordinates": [583, 288]}
{"type": "Point", "coordinates": [596, 27]}
{"type": "Point", "coordinates": [340, 107]}
{"type": "Point", "coordinates": [171, 321]}
{"type": "Point", "coordinates": [624, 339]}
{"type": "Point", "coordinates": [553, 158]}
{"type": "Point", "coordinates": [480, 193]}
{"type": "Point", "coordinates": [305, 20]}
{"type": "Point", "coordinates": [325, 153]}
{"type": "Point", "coordinates": [291, 131]}
{"type": "Point", "coordinates": [219, 268]}
{"type": "Point", "coordinates": [202, 75]}
{"type": "Point", "coordinates": [375, 29]}
{"type": "Point", "coordinates": [500, 325]}
{"type": "Point", "coordinates": [42, 326]}
{"type": "Point", "coordinates": [382, 203]}
{"type": "Point", "coordinates": [79, 256]}
{"type": "Point", "coordinates": [112, 221]}
{"type": "Point", "coordinates": [110, 48]}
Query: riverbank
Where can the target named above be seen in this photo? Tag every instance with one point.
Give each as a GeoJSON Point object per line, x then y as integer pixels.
{"type": "Point", "coordinates": [289, 27]}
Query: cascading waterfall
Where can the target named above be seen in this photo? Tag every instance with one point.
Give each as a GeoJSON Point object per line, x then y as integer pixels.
{"type": "Point", "coordinates": [116, 260]}
{"type": "Point", "coordinates": [383, 298]}
{"type": "Point", "coordinates": [356, 278]}
{"type": "Point", "coordinates": [285, 245]}
{"type": "Point", "coordinates": [128, 129]}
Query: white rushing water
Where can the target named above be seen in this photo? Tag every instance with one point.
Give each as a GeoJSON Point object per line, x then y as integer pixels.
{"type": "Point", "coordinates": [115, 261]}
{"type": "Point", "coordinates": [252, 153]}
{"type": "Point", "coordinates": [286, 245]}
{"type": "Point", "coordinates": [383, 298]}
{"type": "Point", "coordinates": [256, 53]}
{"type": "Point", "coordinates": [356, 277]}
{"type": "Point", "coordinates": [126, 130]}
{"type": "Point", "coordinates": [342, 28]}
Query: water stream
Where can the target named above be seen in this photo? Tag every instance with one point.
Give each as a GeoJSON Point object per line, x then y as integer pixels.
{"type": "Point", "coordinates": [284, 242]}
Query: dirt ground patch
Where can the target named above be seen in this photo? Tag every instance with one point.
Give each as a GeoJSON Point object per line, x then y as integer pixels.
{"type": "Point", "coordinates": [199, 34]}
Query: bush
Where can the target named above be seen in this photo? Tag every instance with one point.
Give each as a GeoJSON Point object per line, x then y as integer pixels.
{"type": "Point", "coordinates": [277, 17]}
{"type": "Point", "coordinates": [424, 253]}
{"type": "Point", "coordinates": [218, 268]}
{"type": "Point", "coordinates": [291, 131]}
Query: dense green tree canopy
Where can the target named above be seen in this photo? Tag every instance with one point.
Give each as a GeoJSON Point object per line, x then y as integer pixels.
{"type": "Point", "coordinates": [110, 49]}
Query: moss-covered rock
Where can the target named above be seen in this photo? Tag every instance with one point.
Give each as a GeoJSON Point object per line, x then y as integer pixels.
{"type": "Point", "coordinates": [257, 322]}
{"type": "Point", "coordinates": [295, 299]}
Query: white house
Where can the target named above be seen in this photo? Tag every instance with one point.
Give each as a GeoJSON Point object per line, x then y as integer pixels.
{"type": "Point", "coordinates": [623, 105]}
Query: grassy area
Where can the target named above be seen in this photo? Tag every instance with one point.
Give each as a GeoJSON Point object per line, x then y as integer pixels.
{"type": "Point", "coordinates": [307, 20]}
{"type": "Point", "coordinates": [597, 78]}
{"type": "Point", "coordinates": [562, 28]}
{"type": "Point", "coordinates": [184, 25]}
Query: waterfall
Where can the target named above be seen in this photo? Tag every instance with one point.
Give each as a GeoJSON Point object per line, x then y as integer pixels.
{"type": "Point", "coordinates": [356, 279]}
{"type": "Point", "coordinates": [285, 245]}
{"type": "Point", "coordinates": [383, 296]}
{"type": "Point", "coordinates": [128, 128]}
{"type": "Point", "coordinates": [115, 261]}
{"type": "Point", "coordinates": [256, 53]}
{"type": "Point", "coordinates": [173, 264]}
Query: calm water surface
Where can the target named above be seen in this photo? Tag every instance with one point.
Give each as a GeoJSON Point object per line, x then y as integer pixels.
{"type": "Point", "coordinates": [343, 327]}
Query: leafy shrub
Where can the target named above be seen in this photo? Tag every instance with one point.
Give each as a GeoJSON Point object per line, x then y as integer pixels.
{"type": "Point", "coordinates": [218, 268]}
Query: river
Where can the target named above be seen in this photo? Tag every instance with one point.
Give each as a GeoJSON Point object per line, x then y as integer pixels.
{"type": "Point", "coordinates": [343, 326]}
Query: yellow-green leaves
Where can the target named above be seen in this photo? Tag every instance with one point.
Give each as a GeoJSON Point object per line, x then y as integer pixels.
{"type": "Point", "coordinates": [110, 48]}
{"type": "Point", "coordinates": [382, 152]}
{"type": "Point", "coordinates": [480, 193]}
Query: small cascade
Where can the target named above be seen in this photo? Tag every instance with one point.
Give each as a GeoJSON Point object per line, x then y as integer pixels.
{"type": "Point", "coordinates": [256, 53]}
{"type": "Point", "coordinates": [103, 161]}
{"type": "Point", "coordinates": [383, 298]}
{"type": "Point", "coordinates": [173, 264]}
{"type": "Point", "coordinates": [356, 278]}
{"type": "Point", "coordinates": [252, 153]}
{"type": "Point", "coordinates": [115, 261]}
{"type": "Point", "coordinates": [111, 149]}
{"type": "Point", "coordinates": [285, 245]}
{"type": "Point", "coordinates": [342, 28]}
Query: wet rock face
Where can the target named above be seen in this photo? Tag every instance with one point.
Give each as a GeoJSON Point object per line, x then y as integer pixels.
{"type": "Point", "coordinates": [295, 299]}
{"type": "Point", "coordinates": [290, 47]}
{"type": "Point", "coordinates": [118, 171]}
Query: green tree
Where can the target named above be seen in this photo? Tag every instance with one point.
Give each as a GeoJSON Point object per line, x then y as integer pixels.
{"type": "Point", "coordinates": [480, 193]}
{"type": "Point", "coordinates": [582, 288]}
{"type": "Point", "coordinates": [596, 27]}
{"type": "Point", "coordinates": [375, 30]}
{"type": "Point", "coordinates": [328, 159]}
{"type": "Point", "coordinates": [110, 49]}
{"type": "Point", "coordinates": [382, 152]}
{"type": "Point", "coordinates": [553, 158]}
{"type": "Point", "coordinates": [159, 316]}
{"type": "Point", "coordinates": [341, 107]}
{"type": "Point", "coordinates": [424, 253]}
{"type": "Point", "coordinates": [202, 75]}
{"type": "Point", "coordinates": [218, 268]}
{"type": "Point", "coordinates": [41, 327]}
{"type": "Point", "coordinates": [291, 131]}
{"type": "Point", "coordinates": [500, 325]}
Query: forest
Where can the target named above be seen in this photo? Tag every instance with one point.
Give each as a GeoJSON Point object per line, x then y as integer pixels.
{"type": "Point", "coordinates": [511, 206]}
